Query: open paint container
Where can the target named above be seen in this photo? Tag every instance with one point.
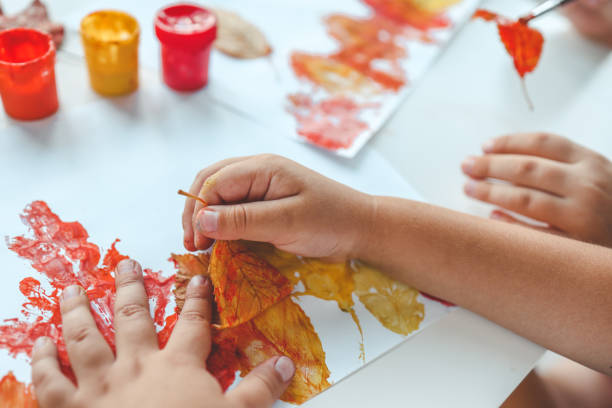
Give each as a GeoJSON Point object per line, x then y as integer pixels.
{"type": "Point", "coordinates": [110, 39]}
{"type": "Point", "coordinates": [186, 33]}
{"type": "Point", "coordinates": [27, 73]}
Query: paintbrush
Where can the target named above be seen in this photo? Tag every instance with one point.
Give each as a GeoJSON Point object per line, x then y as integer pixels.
{"type": "Point", "coordinates": [543, 8]}
{"type": "Point", "coordinates": [186, 194]}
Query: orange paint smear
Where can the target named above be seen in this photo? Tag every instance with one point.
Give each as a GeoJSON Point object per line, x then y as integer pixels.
{"type": "Point", "coordinates": [332, 123]}
{"type": "Point", "coordinates": [523, 43]}
{"type": "Point", "coordinates": [15, 394]}
{"type": "Point", "coordinates": [367, 61]}
{"type": "Point", "coordinates": [407, 12]}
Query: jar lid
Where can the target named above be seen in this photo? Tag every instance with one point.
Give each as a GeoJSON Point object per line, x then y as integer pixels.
{"type": "Point", "coordinates": [185, 25]}
{"type": "Point", "coordinates": [25, 46]}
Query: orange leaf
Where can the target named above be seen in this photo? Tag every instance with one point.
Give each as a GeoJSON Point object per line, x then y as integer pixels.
{"type": "Point", "coordinates": [245, 285]}
{"type": "Point", "coordinates": [15, 394]}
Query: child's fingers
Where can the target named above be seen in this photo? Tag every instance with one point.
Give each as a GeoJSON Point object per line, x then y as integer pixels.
{"type": "Point", "coordinates": [51, 386]}
{"type": "Point", "coordinates": [190, 203]}
{"type": "Point", "coordinates": [505, 217]}
{"type": "Point", "coordinates": [531, 203]}
{"type": "Point", "coordinates": [265, 384]}
{"type": "Point", "coordinates": [135, 332]}
{"type": "Point", "coordinates": [527, 171]}
{"type": "Point", "coordinates": [88, 352]}
{"type": "Point", "coordinates": [263, 221]}
{"type": "Point", "coordinates": [544, 145]}
{"type": "Point", "coordinates": [191, 335]}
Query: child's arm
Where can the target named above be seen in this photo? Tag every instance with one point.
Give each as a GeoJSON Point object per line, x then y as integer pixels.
{"type": "Point", "coordinates": [550, 289]}
{"type": "Point", "coordinates": [551, 180]}
{"type": "Point", "coordinates": [139, 374]}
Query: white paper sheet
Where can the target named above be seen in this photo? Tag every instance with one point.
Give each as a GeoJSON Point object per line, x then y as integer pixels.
{"type": "Point", "coordinates": [259, 88]}
{"type": "Point", "coordinates": [115, 166]}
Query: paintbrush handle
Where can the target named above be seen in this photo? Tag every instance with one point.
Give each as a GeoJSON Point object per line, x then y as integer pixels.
{"type": "Point", "coordinates": [544, 8]}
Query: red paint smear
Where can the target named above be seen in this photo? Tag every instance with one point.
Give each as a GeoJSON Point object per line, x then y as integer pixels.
{"type": "Point", "coordinates": [61, 252]}
{"type": "Point", "coordinates": [437, 299]}
{"type": "Point", "coordinates": [523, 43]}
{"type": "Point", "coordinates": [333, 123]}
{"type": "Point", "coordinates": [15, 394]}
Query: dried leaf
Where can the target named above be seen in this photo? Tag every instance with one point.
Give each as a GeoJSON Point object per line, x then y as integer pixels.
{"type": "Point", "coordinates": [283, 329]}
{"type": "Point", "coordinates": [239, 38]}
{"type": "Point", "coordinates": [244, 284]}
{"type": "Point", "coordinates": [34, 16]}
{"type": "Point", "coordinates": [187, 266]}
{"type": "Point", "coordinates": [394, 304]}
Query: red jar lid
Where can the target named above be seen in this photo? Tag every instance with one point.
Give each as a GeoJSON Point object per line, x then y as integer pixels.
{"type": "Point", "coordinates": [186, 26]}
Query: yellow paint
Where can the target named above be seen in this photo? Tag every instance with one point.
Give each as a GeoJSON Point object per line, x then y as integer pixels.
{"type": "Point", "coordinates": [110, 40]}
{"type": "Point", "coordinates": [394, 304]}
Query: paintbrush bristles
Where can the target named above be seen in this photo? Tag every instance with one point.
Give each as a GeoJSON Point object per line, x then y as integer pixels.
{"type": "Point", "coordinates": [186, 194]}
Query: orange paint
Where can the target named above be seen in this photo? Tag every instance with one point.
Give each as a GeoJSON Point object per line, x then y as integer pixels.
{"type": "Point", "coordinates": [27, 74]}
{"type": "Point", "coordinates": [523, 43]}
{"type": "Point", "coordinates": [367, 61]}
{"type": "Point", "coordinates": [15, 394]}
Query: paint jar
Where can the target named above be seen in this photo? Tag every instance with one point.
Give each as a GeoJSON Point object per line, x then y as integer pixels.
{"type": "Point", "coordinates": [186, 33]}
{"type": "Point", "coordinates": [27, 74]}
{"type": "Point", "coordinates": [110, 40]}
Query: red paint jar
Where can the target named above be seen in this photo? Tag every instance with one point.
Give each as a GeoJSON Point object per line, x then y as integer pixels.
{"type": "Point", "coordinates": [27, 74]}
{"type": "Point", "coordinates": [186, 33]}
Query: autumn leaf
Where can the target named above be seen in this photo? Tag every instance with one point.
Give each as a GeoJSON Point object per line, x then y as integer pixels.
{"type": "Point", "coordinates": [394, 304]}
{"type": "Point", "coordinates": [187, 266]}
{"type": "Point", "coordinates": [244, 284]}
{"type": "Point", "coordinates": [283, 329]}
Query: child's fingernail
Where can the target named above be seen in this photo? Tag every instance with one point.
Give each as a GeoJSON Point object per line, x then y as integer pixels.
{"type": "Point", "coordinates": [496, 216]}
{"type": "Point", "coordinates": [487, 146]}
{"type": "Point", "coordinates": [71, 292]}
{"type": "Point", "coordinates": [285, 368]}
{"type": "Point", "coordinates": [126, 266]}
{"type": "Point", "coordinates": [470, 188]}
{"type": "Point", "coordinates": [207, 221]}
{"type": "Point", "coordinates": [199, 281]}
{"type": "Point", "coordinates": [468, 165]}
{"type": "Point", "coordinates": [40, 342]}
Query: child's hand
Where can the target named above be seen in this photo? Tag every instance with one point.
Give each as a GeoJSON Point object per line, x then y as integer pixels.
{"type": "Point", "coordinates": [551, 180]}
{"type": "Point", "coordinates": [592, 18]}
{"type": "Point", "coordinates": [142, 375]}
{"type": "Point", "coordinates": [272, 199]}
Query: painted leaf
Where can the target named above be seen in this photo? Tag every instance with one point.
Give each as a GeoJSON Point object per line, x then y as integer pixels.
{"type": "Point", "coordinates": [523, 43]}
{"type": "Point", "coordinates": [15, 394]}
{"type": "Point", "coordinates": [244, 284]}
{"type": "Point", "coordinates": [394, 304]}
{"type": "Point", "coordinates": [283, 329]}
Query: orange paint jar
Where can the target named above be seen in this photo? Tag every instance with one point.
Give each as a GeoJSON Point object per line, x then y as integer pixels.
{"type": "Point", "coordinates": [110, 39]}
{"type": "Point", "coordinates": [27, 74]}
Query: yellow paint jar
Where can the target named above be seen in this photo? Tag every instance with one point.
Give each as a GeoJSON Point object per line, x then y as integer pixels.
{"type": "Point", "coordinates": [110, 40]}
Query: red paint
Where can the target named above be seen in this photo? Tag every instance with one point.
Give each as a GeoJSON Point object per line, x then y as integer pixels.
{"type": "Point", "coordinates": [61, 252]}
{"type": "Point", "coordinates": [186, 33]}
{"type": "Point", "coordinates": [333, 123]}
{"type": "Point", "coordinates": [437, 299]}
{"type": "Point", "coordinates": [15, 394]}
{"type": "Point", "coordinates": [523, 43]}
{"type": "Point", "coordinates": [27, 74]}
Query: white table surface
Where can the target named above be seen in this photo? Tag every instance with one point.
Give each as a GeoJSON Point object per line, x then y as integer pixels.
{"type": "Point", "coordinates": [470, 95]}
